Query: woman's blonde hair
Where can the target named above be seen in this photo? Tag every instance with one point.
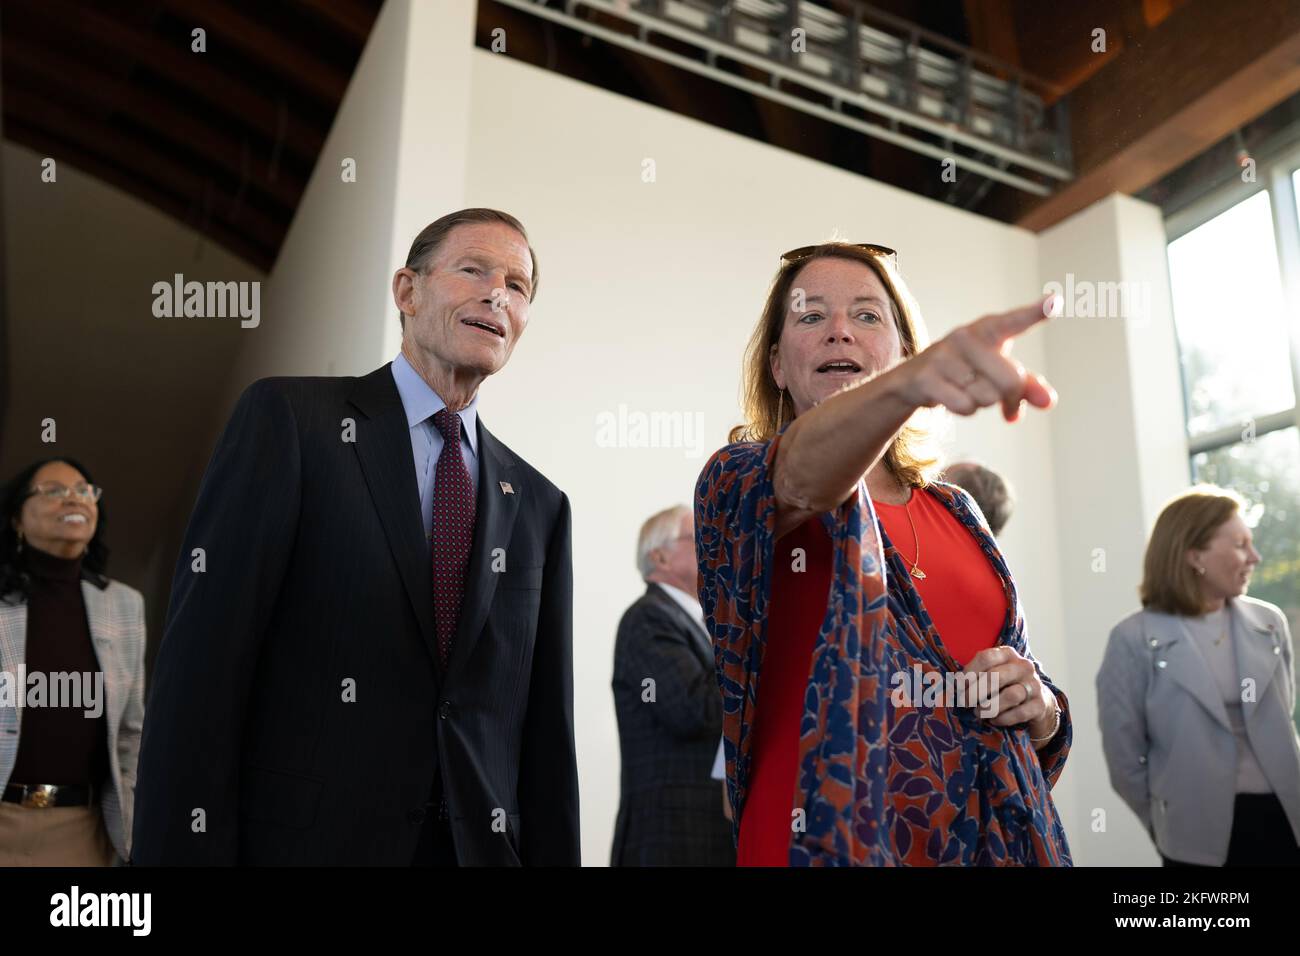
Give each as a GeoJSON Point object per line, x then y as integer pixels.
{"type": "Point", "coordinates": [911, 457]}
{"type": "Point", "coordinates": [1187, 522]}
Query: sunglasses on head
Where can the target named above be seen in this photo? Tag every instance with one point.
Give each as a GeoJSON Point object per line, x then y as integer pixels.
{"type": "Point", "coordinates": [803, 252]}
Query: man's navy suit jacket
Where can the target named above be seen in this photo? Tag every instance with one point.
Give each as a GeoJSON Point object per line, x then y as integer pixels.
{"type": "Point", "coordinates": [298, 711]}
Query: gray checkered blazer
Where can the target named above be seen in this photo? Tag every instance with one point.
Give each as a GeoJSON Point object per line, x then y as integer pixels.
{"type": "Point", "coordinates": [116, 617]}
{"type": "Point", "coordinates": [670, 807]}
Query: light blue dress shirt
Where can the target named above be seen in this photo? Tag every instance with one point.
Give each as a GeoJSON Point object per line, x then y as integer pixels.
{"type": "Point", "coordinates": [421, 403]}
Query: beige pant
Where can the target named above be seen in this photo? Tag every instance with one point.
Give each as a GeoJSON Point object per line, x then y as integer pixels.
{"type": "Point", "coordinates": [54, 836]}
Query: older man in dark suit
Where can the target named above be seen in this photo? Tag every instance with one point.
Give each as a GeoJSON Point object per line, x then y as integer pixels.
{"type": "Point", "coordinates": [368, 653]}
{"type": "Point", "coordinates": [669, 711]}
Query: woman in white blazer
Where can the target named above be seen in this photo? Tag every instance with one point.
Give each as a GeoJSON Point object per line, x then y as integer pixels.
{"type": "Point", "coordinates": [71, 676]}
{"type": "Point", "coordinates": [1196, 694]}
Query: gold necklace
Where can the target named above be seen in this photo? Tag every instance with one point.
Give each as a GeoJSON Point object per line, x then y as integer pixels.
{"type": "Point", "coordinates": [916, 572]}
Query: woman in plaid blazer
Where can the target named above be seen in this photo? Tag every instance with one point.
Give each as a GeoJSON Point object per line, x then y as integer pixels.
{"type": "Point", "coordinates": [71, 676]}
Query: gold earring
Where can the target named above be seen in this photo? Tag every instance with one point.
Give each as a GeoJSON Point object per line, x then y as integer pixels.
{"type": "Point", "coordinates": [780, 409]}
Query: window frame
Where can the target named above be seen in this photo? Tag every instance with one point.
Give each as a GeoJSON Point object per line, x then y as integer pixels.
{"type": "Point", "coordinates": [1275, 177]}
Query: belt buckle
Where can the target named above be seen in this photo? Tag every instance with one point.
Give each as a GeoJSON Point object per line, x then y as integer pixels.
{"type": "Point", "coordinates": [39, 797]}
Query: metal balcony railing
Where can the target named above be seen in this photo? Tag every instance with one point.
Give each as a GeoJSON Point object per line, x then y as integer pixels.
{"type": "Point", "coordinates": [868, 70]}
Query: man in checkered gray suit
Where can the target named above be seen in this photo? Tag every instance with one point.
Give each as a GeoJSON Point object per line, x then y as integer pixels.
{"type": "Point", "coordinates": [669, 711]}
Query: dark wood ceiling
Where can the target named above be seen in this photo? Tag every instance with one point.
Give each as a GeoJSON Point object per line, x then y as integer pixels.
{"type": "Point", "coordinates": [223, 140]}
{"type": "Point", "coordinates": [226, 140]}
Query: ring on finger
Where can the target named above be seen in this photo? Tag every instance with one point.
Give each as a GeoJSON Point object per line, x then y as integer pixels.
{"type": "Point", "coordinates": [1028, 692]}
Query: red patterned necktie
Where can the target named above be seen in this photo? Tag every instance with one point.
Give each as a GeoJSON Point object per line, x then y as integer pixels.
{"type": "Point", "coordinates": [453, 531]}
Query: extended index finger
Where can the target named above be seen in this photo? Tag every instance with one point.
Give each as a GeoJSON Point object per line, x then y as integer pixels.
{"type": "Point", "coordinates": [1008, 325]}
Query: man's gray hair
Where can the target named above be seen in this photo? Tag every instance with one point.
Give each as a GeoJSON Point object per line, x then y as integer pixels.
{"type": "Point", "coordinates": [989, 490]}
{"type": "Point", "coordinates": [658, 532]}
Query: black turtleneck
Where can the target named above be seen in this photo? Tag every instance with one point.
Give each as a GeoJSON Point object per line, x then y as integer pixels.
{"type": "Point", "coordinates": [59, 745]}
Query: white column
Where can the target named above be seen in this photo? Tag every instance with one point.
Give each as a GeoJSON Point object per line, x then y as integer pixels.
{"type": "Point", "coordinates": [1119, 451]}
{"type": "Point", "coordinates": [402, 127]}
{"type": "Point", "coordinates": [433, 125]}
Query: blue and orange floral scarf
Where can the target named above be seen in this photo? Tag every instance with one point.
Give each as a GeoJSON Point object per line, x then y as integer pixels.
{"type": "Point", "coordinates": [879, 784]}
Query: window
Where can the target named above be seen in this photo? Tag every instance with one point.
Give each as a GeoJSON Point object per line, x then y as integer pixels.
{"type": "Point", "coordinates": [1295, 190]}
{"type": "Point", "coordinates": [1234, 272]}
{"type": "Point", "coordinates": [1227, 297]}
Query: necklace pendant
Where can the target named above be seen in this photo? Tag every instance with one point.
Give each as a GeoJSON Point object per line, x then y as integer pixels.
{"type": "Point", "coordinates": [918, 574]}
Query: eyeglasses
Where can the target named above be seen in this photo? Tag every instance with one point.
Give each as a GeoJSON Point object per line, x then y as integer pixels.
{"type": "Point", "coordinates": [53, 489]}
{"type": "Point", "coordinates": [803, 252]}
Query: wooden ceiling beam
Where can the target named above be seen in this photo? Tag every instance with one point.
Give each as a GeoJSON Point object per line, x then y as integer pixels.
{"type": "Point", "coordinates": [94, 163]}
{"type": "Point", "coordinates": [149, 165]}
{"type": "Point", "coordinates": [1209, 68]}
{"type": "Point", "coordinates": [80, 82]}
{"type": "Point", "coordinates": [282, 54]}
{"type": "Point", "coordinates": [231, 96]}
{"type": "Point", "coordinates": [353, 19]}
{"type": "Point", "coordinates": [992, 25]}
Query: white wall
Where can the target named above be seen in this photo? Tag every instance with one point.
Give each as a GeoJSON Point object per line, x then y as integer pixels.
{"type": "Point", "coordinates": [1118, 453]}
{"type": "Point", "coordinates": [648, 294]}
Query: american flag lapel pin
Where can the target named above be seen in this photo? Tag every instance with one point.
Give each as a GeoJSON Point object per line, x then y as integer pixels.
{"type": "Point", "coordinates": [506, 489]}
